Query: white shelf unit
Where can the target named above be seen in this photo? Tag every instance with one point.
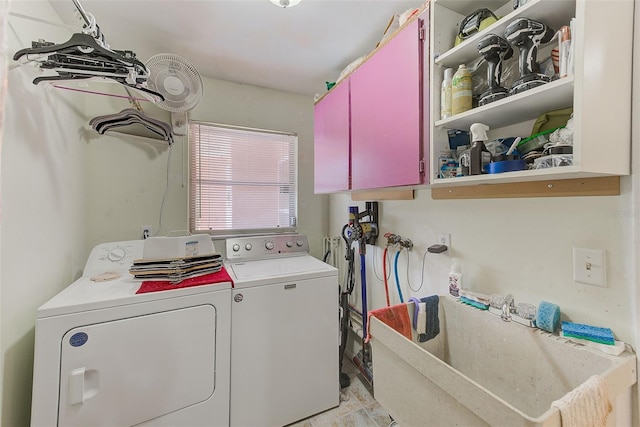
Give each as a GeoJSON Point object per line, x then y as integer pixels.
{"type": "Point", "coordinates": [599, 91]}
{"type": "Point", "coordinates": [554, 13]}
{"type": "Point", "coordinates": [516, 108]}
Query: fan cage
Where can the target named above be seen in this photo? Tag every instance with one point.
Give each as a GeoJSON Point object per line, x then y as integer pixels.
{"type": "Point", "coordinates": [161, 67]}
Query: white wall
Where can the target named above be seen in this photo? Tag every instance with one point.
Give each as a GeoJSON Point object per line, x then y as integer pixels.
{"type": "Point", "coordinates": [43, 219]}
{"type": "Point", "coordinates": [127, 178]}
{"type": "Point", "coordinates": [4, 59]}
{"type": "Point", "coordinates": [635, 179]}
{"type": "Point", "coordinates": [518, 246]}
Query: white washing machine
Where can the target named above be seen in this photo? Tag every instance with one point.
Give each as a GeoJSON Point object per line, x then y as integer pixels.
{"type": "Point", "coordinates": [284, 335]}
{"type": "Point", "coordinates": [106, 356]}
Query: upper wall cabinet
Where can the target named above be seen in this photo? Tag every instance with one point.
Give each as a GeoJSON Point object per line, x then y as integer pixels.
{"type": "Point", "coordinates": [332, 170]}
{"type": "Point", "coordinates": [385, 114]}
{"type": "Point", "coordinates": [369, 128]}
{"type": "Point", "coordinates": [599, 90]}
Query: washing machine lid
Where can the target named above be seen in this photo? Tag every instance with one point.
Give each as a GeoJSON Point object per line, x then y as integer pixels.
{"type": "Point", "coordinates": [269, 271]}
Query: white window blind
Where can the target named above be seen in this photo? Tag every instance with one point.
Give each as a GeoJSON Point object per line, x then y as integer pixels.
{"type": "Point", "coordinates": [241, 180]}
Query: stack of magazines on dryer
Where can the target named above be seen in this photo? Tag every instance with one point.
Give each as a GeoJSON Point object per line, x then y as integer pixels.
{"type": "Point", "coordinates": [176, 258]}
{"type": "Point", "coordinates": [176, 269]}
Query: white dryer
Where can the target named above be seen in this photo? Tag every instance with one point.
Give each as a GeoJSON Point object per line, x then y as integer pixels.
{"type": "Point", "coordinates": [284, 335]}
{"type": "Point", "coordinates": [105, 355]}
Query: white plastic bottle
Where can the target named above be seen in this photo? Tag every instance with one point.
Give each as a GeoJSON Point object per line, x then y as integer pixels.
{"type": "Point", "coordinates": [461, 90]}
{"type": "Point", "coordinates": [455, 278]}
{"type": "Point", "coordinates": [445, 94]}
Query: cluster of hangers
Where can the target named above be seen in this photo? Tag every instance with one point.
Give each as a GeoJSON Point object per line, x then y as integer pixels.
{"type": "Point", "coordinates": [132, 116]}
{"type": "Point", "coordinates": [86, 55]}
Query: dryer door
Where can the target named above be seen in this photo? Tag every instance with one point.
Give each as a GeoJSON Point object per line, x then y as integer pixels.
{"type": "Point", "coordinates": [128, 371]}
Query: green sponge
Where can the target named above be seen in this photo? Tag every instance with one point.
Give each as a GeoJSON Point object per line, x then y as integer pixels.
{"type": "Point", "coordinates": [474, 303]}
{"type": "Point", "coordinates": [588, 332]}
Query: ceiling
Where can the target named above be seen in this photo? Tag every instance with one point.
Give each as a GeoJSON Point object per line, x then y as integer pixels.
{"type": "Point", "coordinates": [252, 42]}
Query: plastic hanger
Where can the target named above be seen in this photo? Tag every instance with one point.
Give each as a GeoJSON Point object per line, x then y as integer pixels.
{"type": "Point", "coordinates": [132, 116]}
{"type": "Point", "coordinates": [80, 43]}
{"type": "Point", "coordinates": [83, 57]}
{"type": "Point", "coordinates": [86, 55]}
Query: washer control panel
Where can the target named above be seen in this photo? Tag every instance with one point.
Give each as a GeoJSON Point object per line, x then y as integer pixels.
{"type": "Point", "coordinates": [260, 247]}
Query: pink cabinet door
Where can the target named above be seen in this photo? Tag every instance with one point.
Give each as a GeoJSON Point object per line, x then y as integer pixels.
{"type": "Point", "coordinates": [331, 141]}
{"type": "Point", "coordinates": [386, 114]}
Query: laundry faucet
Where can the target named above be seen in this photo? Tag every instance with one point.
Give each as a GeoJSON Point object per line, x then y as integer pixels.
{"type": "Point", "coordinates": [508, 307]}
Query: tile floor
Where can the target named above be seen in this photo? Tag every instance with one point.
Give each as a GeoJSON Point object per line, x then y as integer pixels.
{"type": "Point", "coordinates": [357, 407]}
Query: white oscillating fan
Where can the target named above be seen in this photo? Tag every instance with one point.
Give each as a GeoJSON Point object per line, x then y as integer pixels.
{"type": "Point", "coordinates": [179, 82]}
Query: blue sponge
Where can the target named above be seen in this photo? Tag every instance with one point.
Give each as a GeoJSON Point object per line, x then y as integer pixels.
{"type": "Point", "coordinates": [548, 316]}
{"type": "Point", "coordinates": [587, 332]}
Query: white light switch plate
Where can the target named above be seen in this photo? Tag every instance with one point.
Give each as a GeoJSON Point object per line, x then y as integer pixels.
{"type": "Point", "coordinates": [590, 266]}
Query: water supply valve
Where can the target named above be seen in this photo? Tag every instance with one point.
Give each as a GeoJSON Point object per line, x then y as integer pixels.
{"type": "Point", "coordinates": [392, 239]}
{"type": "Point", "coordinates": [407, 244]}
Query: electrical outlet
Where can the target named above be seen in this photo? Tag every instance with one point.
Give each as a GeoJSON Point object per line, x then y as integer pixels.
{"type": "Point", "coordinates": [590, 267]}
{"type": "Point", "coordinates": [145, 231]}
{"type": "Point", "coordinates": [444, 239]}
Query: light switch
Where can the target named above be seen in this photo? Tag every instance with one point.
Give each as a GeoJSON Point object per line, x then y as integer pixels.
{"type": "Point", "coordinates": [590, 267]}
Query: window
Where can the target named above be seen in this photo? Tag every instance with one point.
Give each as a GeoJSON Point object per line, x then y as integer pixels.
{"type": "Point", "coordinates": [241, 180]}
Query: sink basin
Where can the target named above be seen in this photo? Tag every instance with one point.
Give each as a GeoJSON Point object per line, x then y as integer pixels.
{"type": "Point", "coordinates": [482, 371]}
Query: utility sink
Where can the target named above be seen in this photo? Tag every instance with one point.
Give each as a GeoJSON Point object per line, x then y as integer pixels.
{"type": "Point", "coordinates": [481, 370]}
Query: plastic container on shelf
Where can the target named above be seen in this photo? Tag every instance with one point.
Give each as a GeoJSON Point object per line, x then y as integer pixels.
{"type": "Point", "coordinates": [461, 91]}
{"type": "Point", "coordinates": [553, 161]}
{"type": "Point", "coordinates": [506, 166]}
{"type": "Point", "coordinates": [534, 142]}
{"type": "Point", "coordinates": [445, 94]}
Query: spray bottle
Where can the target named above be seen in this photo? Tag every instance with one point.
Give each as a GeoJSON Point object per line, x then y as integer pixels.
{"type": "Point", "coordinates": [476, 156]}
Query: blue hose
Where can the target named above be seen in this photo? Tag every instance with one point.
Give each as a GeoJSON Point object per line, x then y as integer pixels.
{"type": "Point", "coordinates": [363, 283]}
{"type": "Point", "coordinates": [395, 268]}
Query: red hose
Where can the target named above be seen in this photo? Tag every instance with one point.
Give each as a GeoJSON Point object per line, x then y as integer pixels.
{"type": "Point", "coordinates": [384, 273]}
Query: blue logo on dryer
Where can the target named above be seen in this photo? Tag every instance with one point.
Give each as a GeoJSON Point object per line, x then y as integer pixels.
{"type": "Point", "coordinates": [78, 339]}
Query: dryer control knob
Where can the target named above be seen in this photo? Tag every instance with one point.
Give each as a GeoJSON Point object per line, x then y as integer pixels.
{"type": "Point", "coordinates": [236, 247]}
{"type": "Point", "coordinates": [269, 245]}
{"type": "Point", "coordinates": [289, 244]}
{"type": "Point", "coordinates": [248, 246]}
{"type": "Point", "coordinates": [116, 254]}
{"type": "Point", "coordinates": [299, 242]}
